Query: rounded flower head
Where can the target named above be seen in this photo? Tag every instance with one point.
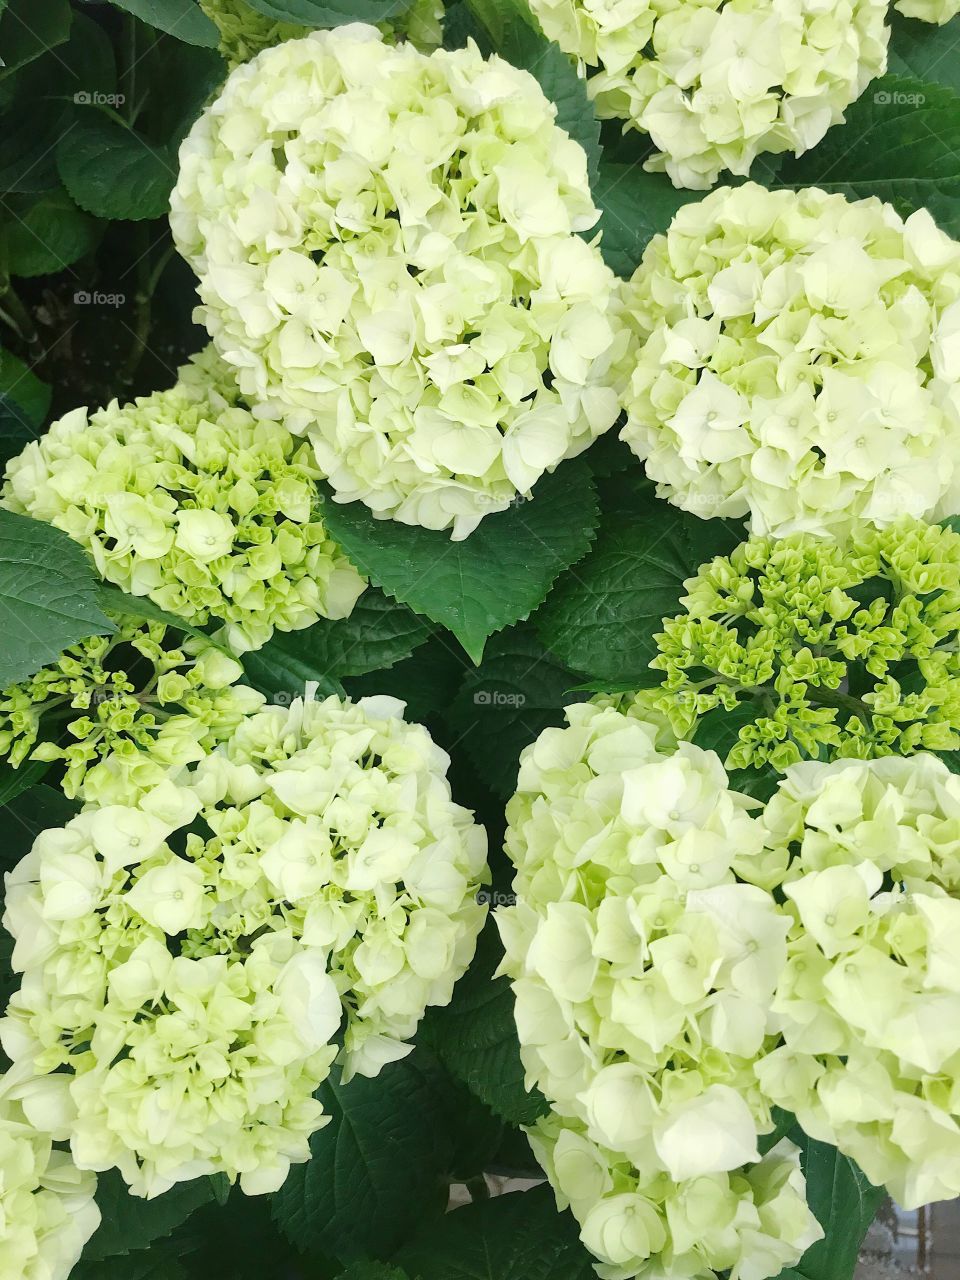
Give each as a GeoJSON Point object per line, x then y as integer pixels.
{"type": "Point", "coordinates": [643, 963]}
{"type": "Point", "coordinates": [938, 11]}
{"type": "Point", "coordinates": [387, 254]}
{"type": "Point", "coordinates": [47, 1210]}
{"type": "Point", "coordinates": [244, 31]}
{"type": "Point", "coordinates": [148, 700]}
{"type": "Point", "coordinates": [831, 649]}
{"type": "Point", "coordinates": [868, 1004]}
{"type": "Point", "coordinates": [189, 960]}
{"type": "Point", "coordinates": [184, 496]}
{"type": "Point", "coordinates": [716, 83]}
{"type": "Point", "coordinates": [800, 362]}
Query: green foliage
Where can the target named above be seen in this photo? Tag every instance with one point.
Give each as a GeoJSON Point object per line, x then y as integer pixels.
{"type": "Point", "coordinates": [451, 582]}
{"type": "Point", "coordinates": [48, 597]}
{"type": "Point", "coordinates": [602, 617]}
{"type": "Point", "coordinates": [476, 1039]}
{"type": "Point", "coordinates": [845, 1204]}
{"type": "Point", "coordinates": [381, 1161]}
{"type": "Point", "coordinates": [130, 1224]}
{"type": "Point", "coordinates": [180, 18]}
{"type": "Point", "coordinates": [515, 1237]}
{"type": "Point", "coordinates": [328, 13]}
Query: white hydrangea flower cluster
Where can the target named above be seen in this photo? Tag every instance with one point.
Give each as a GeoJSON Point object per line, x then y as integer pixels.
{"type": "Point", "coordinates": [869, 1002]}
{"type": "Point", "coordinates": [188, 961]}
{"type": "Point", "coordinates": [715, 83]}
{"type": "Point", "coordinates": [799, 362]}
{"type": "Point", "coordinates": [184, 496]}
{"type": "Point", "coordinates": [643, 967]}
{"type": "Point", "coordinates": [938, 11]}
{"type": "Point", "coordinates": [386, 249]}
{"type": "Point", "coordinates": [47, 1210]}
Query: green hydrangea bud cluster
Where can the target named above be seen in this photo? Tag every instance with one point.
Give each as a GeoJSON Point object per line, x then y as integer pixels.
{"type": "Point", "coordinates": [868, 1004]}
{"type": "Point", "coordinates": [715, 83]}
{"type": "Point", "coordinates": [148, 700]}
{"type": "Point", "coordinates": [190, 958]}
{"type": "Point", "coordinates": [643, 963]}
{"type": "Point", "coordinates": [244, 31]}
{"type": "Point", "coordinates": [47, 1210]}
{"type": "Point", "coordinates": [188, 498]}
{"type": "Point", "coordinates": [837, 649]}
{"type": "Point", "coordinates": [387, 254]}
{"type": "Point", "coordinates": [798, 362]}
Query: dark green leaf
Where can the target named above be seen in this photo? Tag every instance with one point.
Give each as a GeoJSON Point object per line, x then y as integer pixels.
{"type": "Point", "coordinates": [329, 13]}
{"type": "Point", "coordinates": [516, 692]}
{"type": "Point", "coordinates": [372, 1271]}
{"type": "Point", "coordinates": [901, 142]}
{"type": "Point", "coordinates": [475, 1037]}
{"type": "Point", "coordinates": [602, 617]}
{"type": "Point", "coordinates": [28, 30]}
{"type": "Point", "coordinates": [29, 813]}
{"type": "Point", "coordinates": [48, 597]}
{"type": "Point", "coordinates": [636, 206]}
{"type": "Point", "coordinates": [21, 386]}
{"type": "Point", "coordinates": [845, 1204]}
{"type": "Point", "coordinates": [113, 172]}
{"type": "Point", "coordinates": [925, 51]}
{"type": "Point", "coordinates": [495, 577]}
{"type": "Point", "coordinates": [515, 1237]}
{"type": "Point", "coordinates": [377, 1168]}
{"type": "Point", "coordinates": [46, 233]}
{"type": "Point", "coordinates": [13, 782]}
{"type": "Point", "coordinates": [426, 681]}
{"type": "Point", "coordinates": [181, 18]}
{"type": "Point", "coordinates": [130, 1223]}
{"type": "Point", "coordinates": [377, 635]}
{"type": "Point", "coordinates": [146, 1265]}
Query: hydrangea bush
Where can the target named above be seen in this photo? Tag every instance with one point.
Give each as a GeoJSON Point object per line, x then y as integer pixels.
{"type": "Point", "coordinates": [286, 644]}
{"type": "Point", "coordinates": [716, 84]}
{"type": "Point", "coordinates": [386, 252]}
{"type": "Point", "coordinates": [799, 362]}
{"type": "Point", "coordinates": [188, 959]}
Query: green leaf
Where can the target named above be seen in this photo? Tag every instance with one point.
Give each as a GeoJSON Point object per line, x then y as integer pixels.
{"type": "Point", "coordinates": [329, 13]}
{"type": "Point", "coordinates": [427, 681]}
{"type": "Point", "coordinates": [21, 386]}
{"type": "Point", "coordinates": [495, 577]}
{"type": "Point", "coordinates": [34, 810]}
{"type": "Point", "coordinates": [28, 30]}
{"type": "Point", "coordinates": [901, 142]}
{"type": "Point", "coordinates": [377, 1169]}
{"type": "Point", "coordinates": [113, 172]}
{"type": "Point", "coordinates": [146, 1265]}
{"type": "Point", "coordinates": [48, 597]}
{"type": "Point", "coordinates": [844, 1202]}
{"type": "Point", "coordinates": [46, 233]}
{"type": "Point", "coordinates": [505, 703]}
{"type": "Point", "coordinates": [372, 1271]}
{"type": "Point", "coordinates": [129, 1223]}
{"type": "Point", "coordinates": [181, 18]}
{"type": "Point", "coordinates": [924, 50]}
{"type": "Point", "coordinates": [515, 1237]}
{"type": "Point", "coordinates": [602, 617]}
{"type": "Point", "coordinates": [475, 1037]}
{"type": "Point", "coordinates": [376, 636]}
{"type": "Point", "coordinates": [15, 781]}
{"type": "Point", "coordinates": [636, 206]}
